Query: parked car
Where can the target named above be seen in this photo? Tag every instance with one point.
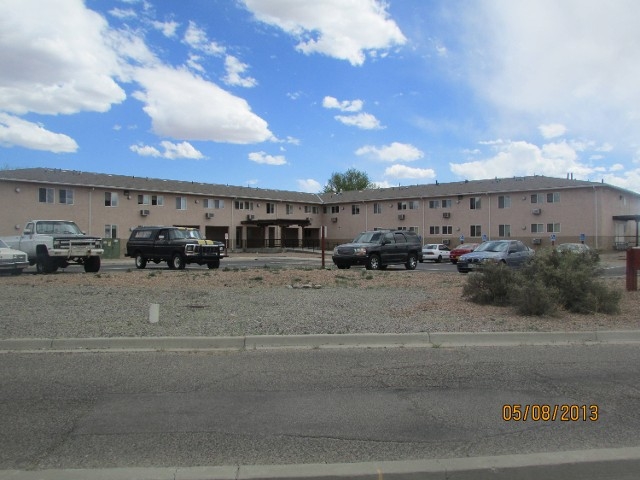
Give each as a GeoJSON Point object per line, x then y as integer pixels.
{"type": "Point", "coordinates": [513, 253]}
{"type": "Point", "coordinates": [461, 250]}
{"type": "Point", "coordinates": [435, 252]}
{"type": "Point", "coordinates": [11, 260]}
{"type": "Point", "coordinates": [379, 248]}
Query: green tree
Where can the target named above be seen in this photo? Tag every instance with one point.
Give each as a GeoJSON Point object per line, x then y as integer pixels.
{"type": "Point", "coordinates": [350, 180]}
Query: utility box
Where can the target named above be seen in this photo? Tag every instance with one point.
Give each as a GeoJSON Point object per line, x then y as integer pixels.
{"type": "Point", "coordinates": [633, 265]}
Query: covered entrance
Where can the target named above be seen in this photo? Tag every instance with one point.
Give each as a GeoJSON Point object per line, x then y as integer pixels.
{"type": "Point", "coordinates": [274, 233]}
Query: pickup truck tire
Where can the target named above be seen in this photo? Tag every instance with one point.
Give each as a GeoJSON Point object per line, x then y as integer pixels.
{"type": "Point", "coordinates": [412, 262]}
{"type": "Point", "coordinates": [44, 264]}
{"type": "Point", "coordinates": [92, 264]}
{"type": "Point", "coordinates": [141, 262]}
{"type": "Point", "coordinates": [214, 264]}
{"type": "Point", "coordinates": [373, 263]}
{"type": "Point", "coordinates": [177, 262]}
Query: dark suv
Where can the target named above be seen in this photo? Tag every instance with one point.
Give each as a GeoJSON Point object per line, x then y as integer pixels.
{"type": "Point", "coordinates": [177, 246]}
{"type": "Point", "coordinates": [379, 248]}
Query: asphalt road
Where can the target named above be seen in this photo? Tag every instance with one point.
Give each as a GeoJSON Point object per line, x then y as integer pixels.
{"type": "Point", "coordinates": [100, 410]}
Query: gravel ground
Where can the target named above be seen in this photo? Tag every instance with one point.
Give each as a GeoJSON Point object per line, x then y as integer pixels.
{"type": "Point", "coordinates": [232, 302]}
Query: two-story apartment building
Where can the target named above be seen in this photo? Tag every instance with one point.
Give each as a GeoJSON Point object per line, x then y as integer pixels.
{"type": "Point", "coordinates": [534, 209]}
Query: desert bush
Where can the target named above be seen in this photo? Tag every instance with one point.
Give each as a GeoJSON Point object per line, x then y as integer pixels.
{"type": "Point", "coordinates": [552, 279]}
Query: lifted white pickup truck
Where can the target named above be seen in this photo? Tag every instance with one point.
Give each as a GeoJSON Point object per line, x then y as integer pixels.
{"type": "Point", "coordinates": [53, 244]}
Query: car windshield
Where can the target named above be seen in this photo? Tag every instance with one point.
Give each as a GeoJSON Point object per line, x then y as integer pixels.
{"type": "Point", "coordinates": [188, 233]}
{"type": "Point", "coordinates": [69, 228]}
{"type": "Point", "coordinates": [431, 247]}
{"type": "Point", "coordinates": [3, 245]}
{"type": "Point", "coordinates": [493, 247]}
{"type": "Point", "coordinates": [368, 237]}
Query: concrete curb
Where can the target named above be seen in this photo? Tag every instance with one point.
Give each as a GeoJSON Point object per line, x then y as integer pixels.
{"type": "Point", "coordinates": [370, 340]}
{"type": "Point", "coordinates": [619, 463]}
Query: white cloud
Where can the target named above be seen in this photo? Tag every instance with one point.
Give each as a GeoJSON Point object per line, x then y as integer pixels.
{"type": "Point", "coordinates": [309, 185]}
{"type": "Point", "coordinates": [185, 106]}
{"type": "Point", "coordinates": [523, 158]}
{"type": "Point", "coordinates": [235, 70]}
{"type": "Point", "coordinates": [122, 14]}
{"type": "Point", "coordinates": [20, 133]}
{"type": "Point", "coordinates": [46, 69]}
{"type": "Point", "coordinates": [344, 106]}
{"type": "Point", "coordinates": [576, 60]}
{"type": "Point", "coordinates": [394, 152]}
{"type": "Point", "coordinates": [402, 171]}
{"type": "Point", "coordinates": [263, 158]}
{"type": "Point", "coordinates": [342, 29]}
{"type": "Point", "coordinates": [171, 151]}
{"type": "Point", "coordinates": [364, 121]}
{"type": "Point", "coordinates": [197, 39]}
{"type": "Point", "coordinates": [552, 130]}
{"type": "Point", "coordinates": [168, 29]}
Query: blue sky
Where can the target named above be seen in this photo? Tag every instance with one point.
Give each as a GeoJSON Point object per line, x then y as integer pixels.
{"type": "Point", "coordinates": [282, 93]}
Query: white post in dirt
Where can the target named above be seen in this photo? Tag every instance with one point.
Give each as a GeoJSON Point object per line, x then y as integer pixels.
{"type": "Point", "coordinates": [154, 313]}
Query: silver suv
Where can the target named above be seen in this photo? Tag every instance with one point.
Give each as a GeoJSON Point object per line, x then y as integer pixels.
{"type": "Point", "coordinates": [379, 248]}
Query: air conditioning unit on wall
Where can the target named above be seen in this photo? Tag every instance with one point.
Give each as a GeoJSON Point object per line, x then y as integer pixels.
{"type": "Point", "coordinates": [401, 216]}
{"type": "Point", "coordinates": [536, 211]}
{"type": "Point", "coordinates": [334, 219]}
{"type": "Point", "coordinates": [536, 241]}
{"type": "Point", "coordinates": [446, 214]}
{"type": "Point", "coordinates": [144, 213]}
{"type": "Point", "coordinates": [446, 241]}
{"type": "Point", "coordinates": [209, 214]}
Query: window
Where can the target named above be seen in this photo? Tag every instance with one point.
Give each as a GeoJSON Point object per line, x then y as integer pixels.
{"type": "Point", "coordinates": [415, 229]}
{"type": "Point", "coordinates": [65, 196]}
{"type": "Point", "coordinates": [240, 205]}
{"type": "Point", "coordinates": [157, 200]}
{"type": "Point", "coordinates": [504, 230]}
{"type": "Point", "coordinates": [377, 208]}
{"type": "Point", "coordinates": [110, 231]}
{"type": "Point", "coordinates": [271, 208]}
{"type": "Point", "coordinates": [315, 209]}
{"type": "Point", "coordinates": [434, 203]}
{"type": "Point", "coordinates": [553, 197]}
{"type": "Point", "coordinates": [474, 204]}
{"type": "Point", "coordinates": [355, 209]}
{"type": "Point", "coordinates": [504, 201]}
{"type": "Point", "coordinates": [110, 199]}
{"type": "Point", "coordinates": [537, 228]}
{"type": "Point", "coordinates": [181, 203]}
{"type": "Point", "coordinates": [402, 205]}
{"type": "Point", "coordinates": [476, 230]}
{"type": "Point", "coordinates": [414, 205]}
{"type": "Point", "coordinates": [45, 195]}
{"type": "Point", "coordinates": [289, 209]}
{"type": "Point", "coordinates": [537, 198]}
{"type": "Point", "coordinates": [434, 230]}
{"type": "Point", "coordinates": [144, 199]}
{"type": "Point", "coordinates": [447, 203]}
{"type": "Point", "coordinates": [553, 228]}
{"type": "Point", "coordinates": [447, 230]}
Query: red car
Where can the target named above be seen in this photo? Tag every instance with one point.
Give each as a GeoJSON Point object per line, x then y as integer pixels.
{"type": "Point", "coordinates": [461, 250]}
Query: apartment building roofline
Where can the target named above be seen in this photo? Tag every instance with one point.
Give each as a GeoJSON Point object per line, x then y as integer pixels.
{"type": "Point", "coordinates": [535, 183]}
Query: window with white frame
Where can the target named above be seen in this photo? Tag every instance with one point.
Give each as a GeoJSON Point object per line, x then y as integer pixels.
{"type": "Point", "coordinates": [181, 203]}
{"type": "Point", "coordinates": [110, 231]}
{"type": "Point", "coordinates": [434, 203]}
{"type": "Point", "coordinates": [553, 228]}
{"type": "Point", "coordinates": [447, 230]}
{"type": "Point", "coordinates": [537, 228]}
{"type": "Point", "coordinates": [553, 197]}
{"type": "Point", "coordinates": [504, 201]}
{"type": "Point", "coordinates": [110, 199]}
{"type": "Point", "coordinates": [144, 199]}
{"type": "Point", "coordinates": [46, 195]}
{"type": "Point", "coordinates": [271, 208]}
{"type": "Point", "coordinates": [434, 230]}
{"type": "Point", "coordinates": [243, 205]}
{"type": "Point", "coordinates": [475, 231]}
{"type": "Point", "coordinates": [447, 203]}
{"type": "Point", "coordinates": [504, 230]}
{"type": "Point", "coordinates": [377, 208]}
{"type": "Point", "coordinates": [355, 209]}
{"type": "Point", "coordinates": [414, 205]}
{"type": "Point", "coordinates": [402, 205]}
{"type": "Point", "coordinates": [537, 198]}
{"type": "Point", "coordinates": [157, 200]}
{"type": "Point", "coordinates": [335, 209]}
{"type": "Point", "coordinates": [289, 209]}
{"type": "Point", "coordinates": [475, 203]}
{"type": "Point", "coordinates": [65, 196]}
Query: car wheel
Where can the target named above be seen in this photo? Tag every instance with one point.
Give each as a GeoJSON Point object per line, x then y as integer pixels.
{"type": "Point", "coordinates": [45, 265]}
{"type": "Point", "coordinates": [177, 262]}
{"type": "Point", "coordinates": [141, 262]}
{"type": "Point", "coordinates": [439, 259]}
{"type": "Point", "coordinates": [373, 263]}
{"type": "Point", "coordinates": [412, 262]}
{"type": "Point", "coordinates": [214, 264]}
{"type": "Point", "coordinates": [92, 264]}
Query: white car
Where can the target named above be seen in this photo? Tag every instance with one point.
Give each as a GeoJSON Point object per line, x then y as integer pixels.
{"type": "Point", "coordinates": [11, 260]}
{"type": "Point", "coordinates": [435, 252]}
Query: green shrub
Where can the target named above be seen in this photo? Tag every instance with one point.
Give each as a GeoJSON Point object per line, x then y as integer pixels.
{"type": "Point", "coordinates": [552, 279]}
